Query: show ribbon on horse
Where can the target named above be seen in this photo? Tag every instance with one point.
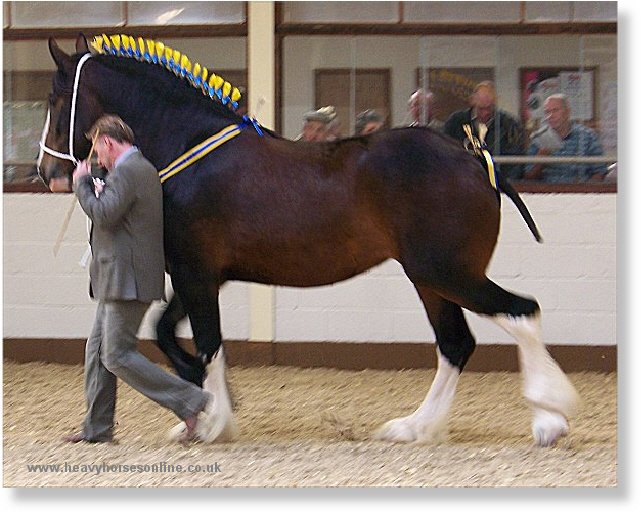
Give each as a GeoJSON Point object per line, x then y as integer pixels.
{"type": "Point", "coordinates": [479, 149]}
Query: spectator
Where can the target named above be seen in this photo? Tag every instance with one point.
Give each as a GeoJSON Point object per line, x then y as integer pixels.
{"type": "Point", "coordinates": [560, 137]}
{"type": "Point", "coordinates": [334, 129]}
{"type": "Point", "coordinates": [499, 130]}
{"type": "Point", "coordinates": [421, 108]}
{"type": "Point", "coordinates": [318, 124]}
{"type": "Point", "coordinates": [368, 121]}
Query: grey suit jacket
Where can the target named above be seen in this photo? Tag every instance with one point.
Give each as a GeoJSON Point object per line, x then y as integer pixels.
{"type": "Point", "coordinates": [128, 259]}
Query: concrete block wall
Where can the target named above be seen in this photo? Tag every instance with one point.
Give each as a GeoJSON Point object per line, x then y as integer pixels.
{"type": "Point", "coordinates": [573, 276]}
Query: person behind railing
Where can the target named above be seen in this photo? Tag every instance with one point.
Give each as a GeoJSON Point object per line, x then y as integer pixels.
{"type": "Point", "coordinates": [421, 109]}
{"type": "Point", "coordinates": [499, 130]}
{"type": "Point", "coordinates": [561, 137]}
{"type": "Point", "coordinates": [319, 125]}
{"type": "Point", "coordinates": [368, 121]}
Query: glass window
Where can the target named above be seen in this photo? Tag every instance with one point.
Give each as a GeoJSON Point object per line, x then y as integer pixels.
{"type": "Point", "coordinates": [548, 11]}
{"type": "Point", "coordinates": [523, 71]}
{"type": "Point", "coordinates": [428, 12]}
{"type": "Point", "coordinates": [595, 11]}
{"type": "Point", "coordinates": [340, 12]}
{"type": "Point", "coordinates": [181, 13]}
{"type": "Point", "coordinates": [65, 14]}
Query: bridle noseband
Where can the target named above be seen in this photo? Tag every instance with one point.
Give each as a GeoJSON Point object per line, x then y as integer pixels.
{"type": "Point", "coordinates": [43, 147]}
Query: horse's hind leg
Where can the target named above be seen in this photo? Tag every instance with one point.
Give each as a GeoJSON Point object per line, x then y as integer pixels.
{"type": "Point", "coordinates": [548, 390]}
{"type": "Point", "coordinates": [200, 298]}
{"type": "Point", "coordinates": [455, 344]}
{"type": "Point", "coordinates": [187, 366]}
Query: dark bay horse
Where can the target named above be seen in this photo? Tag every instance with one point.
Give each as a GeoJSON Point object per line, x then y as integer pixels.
{"type": "Point", "coordinates": [273, 211]}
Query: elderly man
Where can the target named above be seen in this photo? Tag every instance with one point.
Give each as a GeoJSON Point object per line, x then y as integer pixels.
{"type": "Point", "coordinates": [319, 125]}
{"type": "Point", "coordinates": [421, 109]}
{"type": "Point", "coordinates": [368, 121]}
{"type": "Point", "coordinates": [126, 275]}
{"type": "Point", "coordinates": [500, 131]}
{"type": "Point", "coordinates": [559, 136]}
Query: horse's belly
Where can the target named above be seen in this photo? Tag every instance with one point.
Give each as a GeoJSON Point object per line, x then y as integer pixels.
{"type": "Point", "coordinates": [305, 266]}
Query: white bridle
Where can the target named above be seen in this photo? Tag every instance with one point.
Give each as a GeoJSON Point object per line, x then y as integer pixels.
{"type": "Point", "coordinates": [43, 147]}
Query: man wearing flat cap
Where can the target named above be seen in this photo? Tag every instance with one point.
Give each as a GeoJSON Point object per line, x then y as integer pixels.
{"type": "Point", "coordinates": [368, 121]}
{"type": "Point", "coordinates": [319, 125]}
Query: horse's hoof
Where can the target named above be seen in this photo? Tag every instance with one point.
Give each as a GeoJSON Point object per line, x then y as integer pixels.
{"type": "Point", "coordinates": [397, 430]}
{"type": "Point", "coordinates": [178, 433]}
{"type": "Point", "coordinates": [209, 427]}
{"type": "Point", "coordinates": [548, 427]}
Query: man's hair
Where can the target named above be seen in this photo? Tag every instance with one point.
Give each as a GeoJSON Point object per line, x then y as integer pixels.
{"type": "Point", "coordinates": [486, 84]}
{"type": "Point", "coordinates": [111, 126]}
{"type": "Point", "coordinates": [563, 98]}
{"type": "Point", "coordinates": [421, 94]}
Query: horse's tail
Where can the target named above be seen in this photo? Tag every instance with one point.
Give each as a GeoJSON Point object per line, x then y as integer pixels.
{"type": "Point", "coordinates": [506, 187]}
{"type": "Point", "coordinates": [479, 149]}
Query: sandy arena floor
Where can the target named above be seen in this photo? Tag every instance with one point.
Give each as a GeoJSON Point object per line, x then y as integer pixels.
{"type": "Point", "coordinates": [307, 427]}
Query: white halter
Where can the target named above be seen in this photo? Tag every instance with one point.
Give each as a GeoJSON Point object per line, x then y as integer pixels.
{"type": "Point", "coordinates": [43, 148]}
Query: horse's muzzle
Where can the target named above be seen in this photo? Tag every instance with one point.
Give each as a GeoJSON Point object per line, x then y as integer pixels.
{"type": "Point", "coordinates": [62, 184]}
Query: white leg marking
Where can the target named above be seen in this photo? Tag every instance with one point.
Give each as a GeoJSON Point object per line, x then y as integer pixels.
{"type": "Point", "coordinates": [217, 423]}
{"type": "Point", "coordinates": [428, 424]}
{"type": "Point", "coordinates": [548, 390]}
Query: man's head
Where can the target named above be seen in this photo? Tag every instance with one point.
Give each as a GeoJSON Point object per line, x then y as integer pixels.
{"type": "Point", "coordinates": [368, 121]}
{"type": "Point", "coordinates": [420, 106]}
{"type": "Point", "coordinates": [317, 123]}
{"type": "Point", "coordinates": [484, 101]}
{"type": "Point", "coordinates": [556, 111]}
{"type": "Point", "coordinates": [111, 137]}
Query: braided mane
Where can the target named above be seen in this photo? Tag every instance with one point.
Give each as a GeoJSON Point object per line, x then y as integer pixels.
{"type": "Point", "coordinates": [147, 50]}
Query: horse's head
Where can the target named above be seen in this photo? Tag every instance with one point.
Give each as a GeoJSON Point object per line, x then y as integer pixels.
{"type": "Point", "coordinates": [70, 115]}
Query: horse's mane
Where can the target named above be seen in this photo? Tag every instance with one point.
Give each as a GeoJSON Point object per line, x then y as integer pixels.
{"type": "Point", "coordinates": [168, 73]}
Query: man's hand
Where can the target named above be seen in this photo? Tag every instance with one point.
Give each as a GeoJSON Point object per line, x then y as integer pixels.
{"type": "Point", "coordinates": [83, 169]}
{"type": "Point", "coordinates": [98, 186]}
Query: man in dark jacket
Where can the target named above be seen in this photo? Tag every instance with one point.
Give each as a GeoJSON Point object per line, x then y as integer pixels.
{"type": "Point", "coordinates": [500, 131]}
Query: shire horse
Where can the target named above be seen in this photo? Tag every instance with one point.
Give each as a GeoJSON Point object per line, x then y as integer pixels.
{"type": "Point", "coordinates": [268, 210]}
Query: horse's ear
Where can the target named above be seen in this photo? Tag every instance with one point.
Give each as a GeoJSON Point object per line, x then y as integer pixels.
{"type": "Point", "coordinates": [81, 44]}
{"type": "Point", "coordinates": [59, 57]}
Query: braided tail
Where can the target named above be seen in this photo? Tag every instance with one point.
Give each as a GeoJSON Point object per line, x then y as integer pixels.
{"type": "Point", "coordinates": [506, 187]}
{"type": "Point", "coordinates": [479, 149]}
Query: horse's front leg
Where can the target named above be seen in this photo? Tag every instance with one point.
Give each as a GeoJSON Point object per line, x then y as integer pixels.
{"type": "Point", "coordinates": [199, 295]}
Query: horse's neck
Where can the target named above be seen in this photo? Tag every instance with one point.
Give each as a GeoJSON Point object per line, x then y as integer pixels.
{"type": "Point", "coordinates": [163, 131]}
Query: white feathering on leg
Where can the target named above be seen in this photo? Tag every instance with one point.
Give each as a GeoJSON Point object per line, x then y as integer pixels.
{"type": "Point", "coordinates": [218, 422]}
{"type": "Point", "coordinates": [545, 386]}
{"type": "Point", "coordinates": [428, 424]}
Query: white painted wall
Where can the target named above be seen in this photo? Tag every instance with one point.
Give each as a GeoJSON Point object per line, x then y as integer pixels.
{"type": "Point", "coordinates": [573, 275]}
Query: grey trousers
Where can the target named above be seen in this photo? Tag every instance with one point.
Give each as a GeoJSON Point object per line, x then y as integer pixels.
{"type": "Point", "coordinates": [111, 352]}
